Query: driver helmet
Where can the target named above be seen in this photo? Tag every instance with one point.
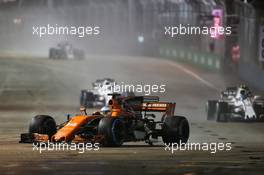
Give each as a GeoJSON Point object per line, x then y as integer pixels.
{"type": "Point", "coordinates": [105, 110]}
{"type": "Point", "coordinates": [244, 91]}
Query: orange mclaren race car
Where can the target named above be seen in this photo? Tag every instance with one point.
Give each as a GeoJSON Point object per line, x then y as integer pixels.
{"type": "Point", "coordinates": [128, 119]}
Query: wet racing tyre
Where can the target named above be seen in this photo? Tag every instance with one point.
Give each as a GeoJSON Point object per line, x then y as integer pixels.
{"type": "Point", "coordinates": [211, 109]}
{"type": "Point", "coordinates": [175, 130]}
{"type": "Point", "coordinates": [113, 130]}
{"type": "Point", "coordinates": [43, 124]}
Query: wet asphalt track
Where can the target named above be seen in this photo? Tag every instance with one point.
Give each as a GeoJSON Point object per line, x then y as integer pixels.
{"type": "Point", "coordinates": [40, 86]}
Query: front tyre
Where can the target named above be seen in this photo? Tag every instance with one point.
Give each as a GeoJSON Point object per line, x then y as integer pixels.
{"type": "Point", "coordinates": [113, 130]}
{"type": "Point", "coordinates": [175, 130]}
{"type": "Point", "coordinates": [43, 124]}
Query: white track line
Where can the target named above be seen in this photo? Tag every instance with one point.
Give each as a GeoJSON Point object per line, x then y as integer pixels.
{"type": "Point", "coordinates": [194, 75]}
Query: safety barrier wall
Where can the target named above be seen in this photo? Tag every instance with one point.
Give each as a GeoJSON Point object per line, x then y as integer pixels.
{"type": "Point", "coordinates": [251, 63]}
{"type": "Point", "coordinates": [203, 60]}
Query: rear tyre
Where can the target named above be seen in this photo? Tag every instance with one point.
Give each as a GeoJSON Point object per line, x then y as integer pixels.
{"type": "Point", "coordinates": [211, 109]}
{"type": "Point", "coordinates": [175, 130]}
{"type": "Point", "coordinates": [52, 53]}
{"type": "Point", "coordinates": [222, 112]}
{"type": "Point", "coordinates": [87, 99]}
{"type": "Point", "coordinates": [113, 130]}
{"type": "Point", "coordinates": [259, 110]}
{"type": "Point", "coordinates": [43, 124]}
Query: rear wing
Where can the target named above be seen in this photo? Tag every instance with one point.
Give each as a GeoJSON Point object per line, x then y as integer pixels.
{"type": "Point", "coordinates": [144, 103]}
{"type": "Point", "coordinates": [230, 91]}
{"type": "Point", "coordinates": [168, 108]}
{"type": "Point", "coordinates": [151, 103]}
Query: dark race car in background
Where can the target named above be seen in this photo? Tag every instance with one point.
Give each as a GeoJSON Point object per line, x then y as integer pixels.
{"type": "Point", "coordinates": [64, 50]}
{"type": "Point", "coordinates": [236, 104]}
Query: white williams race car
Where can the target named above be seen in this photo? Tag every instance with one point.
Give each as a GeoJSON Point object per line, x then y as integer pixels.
{"type": "Point", "coordinates": [98, 96]}
{"type": "Point", "coordinates": [236, 104]}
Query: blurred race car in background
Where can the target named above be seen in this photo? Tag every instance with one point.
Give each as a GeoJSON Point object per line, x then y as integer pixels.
{"type": "Point", "coordinates": [98, 95]}
{"type": "Point", "coordinates": [236, 104]}
{"type": "Point", "coordinates": [129, 119]}
{"type": "Point", "coordinates": [65, 50]}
